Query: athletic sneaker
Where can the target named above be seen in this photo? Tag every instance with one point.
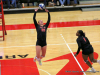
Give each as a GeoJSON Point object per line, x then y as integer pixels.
{"type": "Point", "coordinates": [34, 59]}
{"type": "Point", "coordinates": [98, 61]}
{"type": "Point", "coordinates": [38, 59]}
{"type": "Point", "coordinates": [40, 62]}
{"type": "Point", "coordinates": [93, 70]}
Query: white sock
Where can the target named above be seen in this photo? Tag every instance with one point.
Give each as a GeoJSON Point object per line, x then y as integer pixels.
{"type": "Point", "coordinates": [42, 56]}
{"type": "Point", "coordinates": [38, 59]}
{"type": "Point", "coordinates": [92, 68]}
{"type": "Point", "coordinates": [98, 61]}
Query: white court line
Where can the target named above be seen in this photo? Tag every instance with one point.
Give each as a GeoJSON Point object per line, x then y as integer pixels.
{"type": "Point", "coordinates": [45, 71]}
{"type": "Point", "coordinates": [73, 55]}
{"type": "Point", "coordinates": [47, 45]}
{"type": "Point", "coordinates": [30, 45]}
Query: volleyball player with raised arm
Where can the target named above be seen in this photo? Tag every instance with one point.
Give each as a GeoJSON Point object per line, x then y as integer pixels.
{"type": "Point", "coordinates": [87, 49]}
{"type": "Point", "coordinates": [41, 37]}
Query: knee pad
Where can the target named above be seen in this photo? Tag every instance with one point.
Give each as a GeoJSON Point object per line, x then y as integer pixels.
{"type": "Point", "coordinates": [85, 61]}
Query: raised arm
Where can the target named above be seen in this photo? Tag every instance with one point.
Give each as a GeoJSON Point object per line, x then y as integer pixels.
{"type": "Point", "coordinates": [34, 17]}
{"type": "Point", "coordinates": [47, 24]}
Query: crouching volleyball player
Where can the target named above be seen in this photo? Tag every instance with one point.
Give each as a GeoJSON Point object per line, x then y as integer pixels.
{"type": "Point", "coordinates": [41, 37]}
{"type": "Point", "coordinates": [87, 49]}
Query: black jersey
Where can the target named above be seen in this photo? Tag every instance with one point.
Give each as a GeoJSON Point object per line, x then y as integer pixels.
{"type": "Point", "coordinates": [83, 43]}
{"type": "Point", "coordinates": [41, 30]}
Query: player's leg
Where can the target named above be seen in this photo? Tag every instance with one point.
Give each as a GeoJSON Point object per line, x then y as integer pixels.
{"type": "Point", "coordinates": [91, 57]}
{"type": "Point", "coordinates": [43, 51]}
{"type": "Point", "coordinates": [38, 51]}
{"type": "Point", "coordinates": [85, 57]}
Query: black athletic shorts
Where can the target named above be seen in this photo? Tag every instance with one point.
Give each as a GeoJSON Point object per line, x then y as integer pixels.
{"type": "Point", "coordinates": [88, 51]}
{"type": "Point", "coordinates": [41, 43]}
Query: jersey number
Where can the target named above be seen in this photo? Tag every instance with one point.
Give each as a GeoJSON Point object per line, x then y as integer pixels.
{"type": "Point", "coordinates": [84, 39]}
{"type": "Point", "coordinates": [43, 30]}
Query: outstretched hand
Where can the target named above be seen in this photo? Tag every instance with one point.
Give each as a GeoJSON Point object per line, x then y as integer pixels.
{"type": "Point", "coordinates": [75, 55]}
{"type": "Point", "coordinates": [46, 10]}
{"type": "Point", "coordinates": [36, 10]}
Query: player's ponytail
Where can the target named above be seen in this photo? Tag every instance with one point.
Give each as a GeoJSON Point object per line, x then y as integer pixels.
{"type": "Point", "coordinates": [81, 33]}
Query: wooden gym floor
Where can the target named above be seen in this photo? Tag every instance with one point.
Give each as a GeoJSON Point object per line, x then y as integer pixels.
{"type": "Point", "coordinates": [61, 39]}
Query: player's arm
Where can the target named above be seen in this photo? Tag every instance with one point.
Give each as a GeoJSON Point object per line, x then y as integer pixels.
{"type": "Point", "coordinates": [47, 24]}
{"type": "Point", "coordinates": [87, 40]}
{"type": "Point", "coordinates": [79, 47]}
{"type": "Point", "coordinates": [34, 17]}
